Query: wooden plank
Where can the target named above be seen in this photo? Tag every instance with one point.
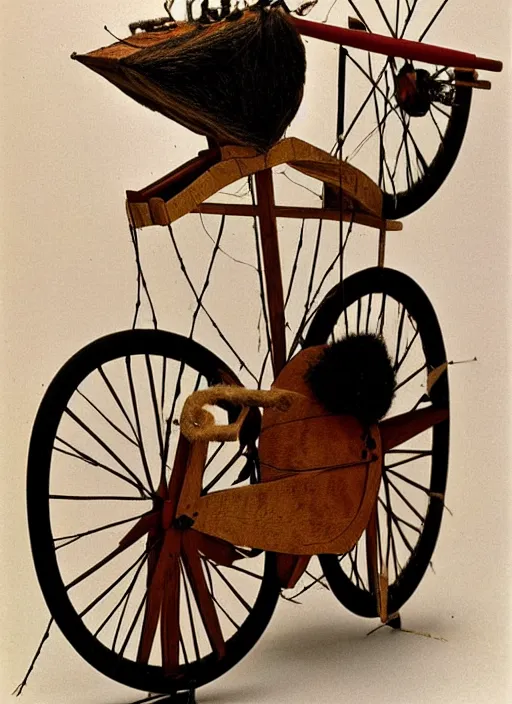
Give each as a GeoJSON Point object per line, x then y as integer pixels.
{"type": "Point", "coordinates": [398, 429]}
{"type": "Point", "coordinates": [272, 267]}
{"type": "Point", "coordinates": [371, 543]}
{"type": "Point", "coordinates": [146, 524]}
{"type": "Point", "coordinates": [192, 483]}
{"type": "Point", "coordinates": [320, 480]}
{"type": "Point", "coordinates": [195, 574]}
{"type": "Point", "coordinates": [156, 587]}
{"type": "Point", "coordinates": [290, 569]}
{"type": "Point", "coordinates": [176, 480]}
{"type": "Point", "coordinates": [383, 594]}
{"type": "Point", "coordinates": [238, 162]}
{"type": "Point", "coordinates": [219, 551]}
{"type": "Point", "coordinates": [170, 617]}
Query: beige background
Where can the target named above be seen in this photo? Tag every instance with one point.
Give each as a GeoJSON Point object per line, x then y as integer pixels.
{"type": "Point", "coordinates": [71, 144]}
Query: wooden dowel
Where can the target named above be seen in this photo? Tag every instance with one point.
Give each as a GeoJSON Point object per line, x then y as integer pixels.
{"type": "Point", "coordinates": [299, 213]}
{"type": "Point", "coordinates": [389, 46]}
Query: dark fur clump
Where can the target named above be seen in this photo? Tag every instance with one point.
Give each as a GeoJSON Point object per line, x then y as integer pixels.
{"type": "Point", "coordinates": [240, 81]}
{"type": "Point", "coordinates": [354, 376]}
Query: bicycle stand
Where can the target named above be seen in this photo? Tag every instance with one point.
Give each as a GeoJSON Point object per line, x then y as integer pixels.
{"type": "Point", "coordinates": [187, 697]}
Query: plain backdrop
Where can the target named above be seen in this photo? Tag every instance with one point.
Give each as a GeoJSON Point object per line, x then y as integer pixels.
{"type": "Point", "coordinates": [71, 145]}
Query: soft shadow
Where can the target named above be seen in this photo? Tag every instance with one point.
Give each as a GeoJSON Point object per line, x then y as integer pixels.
{"type": "Point", "coordinates": [229, 695]}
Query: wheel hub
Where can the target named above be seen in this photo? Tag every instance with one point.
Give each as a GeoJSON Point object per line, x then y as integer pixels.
{"type": "Point", "coordinates": [417, 89]}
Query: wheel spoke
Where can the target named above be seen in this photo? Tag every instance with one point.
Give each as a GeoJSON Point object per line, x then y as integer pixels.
{"type": "Point", "coordinates": [216, 601]}
{"type": "Point", "coordinates": [156, 408]}
{"type": "Point", "coordinates": [107, 419]}
{"type": "Point", "coordinates": [385, 17]}
{"type": "Point", "coordinates": [142, 450]}
{"type": "Point", "coordinates": [78, 536]}
{"type": "Point", "coordinates": [116, 398]}
{"type": "Point", "coordinates": [408, 480]}
{"type": "Point", "coordinates": [77, 454]}
{"type": "Point", "coordinates": [114, 584]}
{"type": "Point", "coordinates": [406, 501]}
{"type": "Point", "coordinates": [106, 447]}
{"type": "Point", "coordinates": [417, 455]}
{"type": "Point", "coordinates": [432, 21]}
{"type": "Point", "coordinates": [126, 595]}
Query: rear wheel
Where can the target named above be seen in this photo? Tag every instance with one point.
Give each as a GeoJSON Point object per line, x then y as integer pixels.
{"type": "Point", "coordinates": [411, 498]}
{"type": "Point", "coordinates": [153, 608]}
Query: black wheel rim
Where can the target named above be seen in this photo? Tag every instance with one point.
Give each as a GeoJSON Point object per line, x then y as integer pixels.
{"type": "Point", "coordinates": [411, 498]}
{"type": "Point", "coordinates": [97, 397]}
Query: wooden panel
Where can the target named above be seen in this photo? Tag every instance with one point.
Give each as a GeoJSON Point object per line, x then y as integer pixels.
{"type": "Point", "coordinates": [305, 514]}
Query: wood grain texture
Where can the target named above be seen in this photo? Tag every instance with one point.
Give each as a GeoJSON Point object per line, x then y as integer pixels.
{"type": "Point", "coordinates": [320, 481]}
{"type": "Point", "coordinates": [398, 429]}
{"type": "Point", "coordinates": [192, 483]}
{"type": "Point", "coordinates": [311, 512]}
{"type": "Point", "coordinates": [195, 574]}
{"type": "Point", "coordinates": [170, 617]}
{"type": "Point", "coordinates": [237, 162]}
{"type": "Point", "coordinates": [167, 558]}
{"type": "Point", "coordinates": [301, 213]}
{"type": "Point", "coordinates": [271, 267]}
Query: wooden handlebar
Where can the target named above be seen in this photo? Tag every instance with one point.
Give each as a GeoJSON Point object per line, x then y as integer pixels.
{"type": "Point", "coordinates": [196, 423]}
{"type": "Point", "coordinates": [389, 46]}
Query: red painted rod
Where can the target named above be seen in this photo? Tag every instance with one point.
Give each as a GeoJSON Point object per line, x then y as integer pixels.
{"type": "Point", "coordinates": [403, 48]}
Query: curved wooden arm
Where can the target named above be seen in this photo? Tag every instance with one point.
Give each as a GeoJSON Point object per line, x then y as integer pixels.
{"type": "Point", "coordinates": [196, 423]}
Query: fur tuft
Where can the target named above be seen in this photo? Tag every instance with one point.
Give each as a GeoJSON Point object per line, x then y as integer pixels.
{"type": "Point", "coordinates": [354, 376]}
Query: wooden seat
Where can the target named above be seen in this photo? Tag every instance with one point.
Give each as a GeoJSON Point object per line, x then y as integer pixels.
{"type": "Point", "coordinates": [186, 189]}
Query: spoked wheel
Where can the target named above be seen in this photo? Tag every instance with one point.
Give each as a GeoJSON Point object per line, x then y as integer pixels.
{"type": "Point", "coordinates": [411, 498]}
{"type": "Point", "coordinates": [144, 599]}
{"type": "Point", "coordinates": [404, 121]}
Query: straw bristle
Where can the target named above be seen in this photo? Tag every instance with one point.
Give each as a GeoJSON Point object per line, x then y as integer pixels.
{"type": "Point", "coordinates": [239, 81]}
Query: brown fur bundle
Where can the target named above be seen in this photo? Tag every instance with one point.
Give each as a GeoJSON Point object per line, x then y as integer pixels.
{"type": "Point", "coordinates": [239, 81]}
{"type": "Point", "coordinates": [354, 376]}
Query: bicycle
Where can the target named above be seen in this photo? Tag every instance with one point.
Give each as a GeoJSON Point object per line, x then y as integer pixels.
{"type": "Point", "coordinates": [117, 394]}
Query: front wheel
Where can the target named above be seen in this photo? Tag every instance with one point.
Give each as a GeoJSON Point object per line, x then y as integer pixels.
{"type": "Point", "coordinates": [104, 455]}
{"type": "Point", "coordinates": [411, 498]}
{"type": "Point", "coordinates": [405, 121]}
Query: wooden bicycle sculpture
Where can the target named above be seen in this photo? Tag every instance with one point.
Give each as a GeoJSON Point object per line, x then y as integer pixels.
{"type": "Point", "coordinates": [163, 532]}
